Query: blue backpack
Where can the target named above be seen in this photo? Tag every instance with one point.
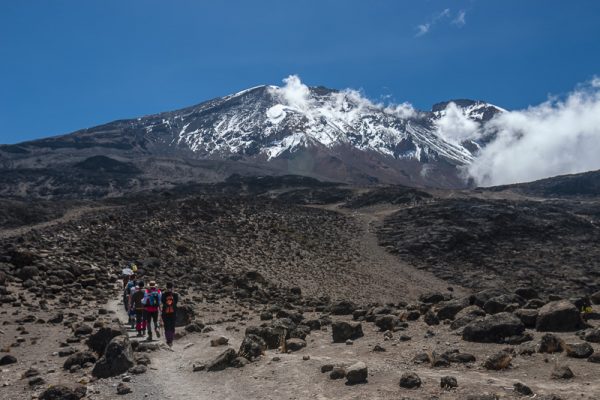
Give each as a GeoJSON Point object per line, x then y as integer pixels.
{"type": "Point", "coordinates": [152, 299]}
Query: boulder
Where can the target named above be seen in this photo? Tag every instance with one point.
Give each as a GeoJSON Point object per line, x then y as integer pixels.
{"type": "Point", "coordinates": [562, 372]}
{"type": "Point", "coordinates": [82, 330]}
{"type": "Point", "coordinates": [433, 297]}
{"type": "Point", "coordinates": [449, 309]}
{"type": "Point", "coordinates": [252, 347]}
{"type": "Point", "coordinates": [551, 344]}
{"type": "Point", "coordinates": [80, 358]}
{"type": "Point", "coordinates": [337, 373]}
{"type": "Point", "coordinates": [342, 308]}
{"type": "Point", "coordinates": [386, 322]}
{"type": "Point", "coordinates": [117, 358]}
{"type": "Point", "coordinates": [101, 338]}
{"type": "Point", "coordinates": [595, 298]}
{"type": "Point", "coordinates": [295, 344]}
{"type": "Point", "coordinates": [185, 315]}
{"type": "Point", "coordinates": [8, 359]}
{"type": "Point", "coordinates": [62, 392]}
{"type": "Point", "coordinates": [500, 303]}
{"type": "Point", "coordinates": [481, 297]}
{"type": "Point", "coordinates": [270, 336]}
{"type": "Point", "coordinates": [342, 331]}
{"type": "Point", "coordinates": [448, 382]}
{"type": "Point", "coordinates": [579, 350]}
{"type": "Point", "coordinates": [522, 389]}
{"type": "Point", "coordinates": [222, 361]}
{"type": "Point", "coordinates": [527, 316]}
{"type": "Point", "coordinates": [193, 327]}
{"type": "Point", "coordinates": [466, 316]}
{"type": "Point", "coordinates": [493, 328]}
{"type": "Point", "coordinates": [357, 373]}
{"type": "Point", "coordinates": [559, 316]}
{"type": "Point", "coordinates": [498, 361]}
{"type": "Point", "coordinates": [410, 380]}
{"type": "Point", "coordinates": [123, 389]}
{"type": "Point", "coordinates": [592, 335]}
{"type": "Point", "coordinates": [430, 318]}
{"type": "Point", "coordinates": [527, 293]}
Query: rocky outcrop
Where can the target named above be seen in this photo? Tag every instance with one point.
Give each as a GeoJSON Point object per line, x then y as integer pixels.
{"type": "Point", "coordinates": [493, 328]}
{"type": "Point", "coordinates": [117, 358]}
{"type": "Point", "coordinates": [559, 316]}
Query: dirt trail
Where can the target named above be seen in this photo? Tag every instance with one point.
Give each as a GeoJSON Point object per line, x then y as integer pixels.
{"type": "Point", "coordinates": [289, 376]}
{"type": "Point", "coordinates": [393, 274]}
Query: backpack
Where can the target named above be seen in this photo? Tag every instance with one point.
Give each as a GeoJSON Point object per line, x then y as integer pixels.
{"type": "Point", "coordinates": [152, 299]}
{"type": "Point", "coordinates": [169, 307]}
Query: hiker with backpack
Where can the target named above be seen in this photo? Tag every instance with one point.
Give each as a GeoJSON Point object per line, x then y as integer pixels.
{"type": "Point", "coordinates": [169, 312]}
{"type": "Point", "coordinates": [138, 308]}
{"type": "Point", "coordinates": [126, 295]}
{"type": "Point", "coordinates": [152, 301]}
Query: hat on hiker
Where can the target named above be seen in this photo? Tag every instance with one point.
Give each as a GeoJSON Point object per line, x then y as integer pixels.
{"type": "Point", "coordinates": [152, 284]}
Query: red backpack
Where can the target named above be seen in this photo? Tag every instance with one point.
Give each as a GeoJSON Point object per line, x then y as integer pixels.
{"type": "Point", "coordinates": [169, 301]}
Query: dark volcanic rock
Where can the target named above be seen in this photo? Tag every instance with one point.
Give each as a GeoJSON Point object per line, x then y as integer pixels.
{"type": "Point", "coordinates": [222, 361]}
{"type": "Point", "coordinates": [62, 392]}
{"type": "Point", "coordinates": [410, 380]}
{"type": "Point", "coordinates": [498, 361]}
{"type": "Point", "coordinates": [551, 344]}
{"type": "Point", "coordinates": [79, 358]}
{"type": "Point", "coordinates": [295, 344]}
{"type": "Point", "coordinates": [357, 373]}
{"type": "Point", "coordinates": [448, 382]}
{"type": "Point", "coordinates": [579, 350]}
{"type": "Point", "coordinates": [185, 315]}
{"type": "Point", "coordinates": [559, 316]}
{"type": "Point", "coordinates": [386, 322]}
{"type": "Point", "coordinates": [101, 338]}
{"type": "Point", "coordinates": [252, 347]}
{"type": "Point", "coordinates": [527, 316]}
{"type": "Point", "coordinates": [8, 359]}
{"type": "Point", "coordinates": [592, 335]}
{"type": "Point", "coordinates": [117, 358]}
{"type": "Point", "coordinates": [522, 389]}
{"type": "Point", "coordinates": [449, 309]}
{"type": "Point", "coordinates": [342, 331]}
{"type": "Point", "coordinates": [562, 372]}
{"type": "Point", "coordinates": [493, 328]}
{"type": "Point", "coordinates": [343, 308]}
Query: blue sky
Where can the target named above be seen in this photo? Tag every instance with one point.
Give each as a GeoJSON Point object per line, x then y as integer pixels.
{"type": "Point", "coordinates": [67, 65]}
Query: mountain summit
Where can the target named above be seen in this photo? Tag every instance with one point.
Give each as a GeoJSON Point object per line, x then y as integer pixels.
{"type": "Point", "coordinates": [313, 131]}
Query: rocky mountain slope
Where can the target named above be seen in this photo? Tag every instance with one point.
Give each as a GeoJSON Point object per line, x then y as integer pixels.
{"type": "Point", "coordinates": [266, 130]}
{"type": "Point", "coordinates": [286, 289]}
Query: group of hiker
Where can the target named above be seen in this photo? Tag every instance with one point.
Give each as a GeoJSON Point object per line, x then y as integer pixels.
{"type": "Point", "coordinates": [147, 306]}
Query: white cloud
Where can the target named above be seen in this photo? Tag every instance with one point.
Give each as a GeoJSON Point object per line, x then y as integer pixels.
{"type": "Point", "coordinates": [424, 28]}
{"type": "Point", "coordinates": [295, 93]}
{"type": "Point", "coordinates": [346, 104]}
{"type": "Point", "coordinates": [554, 138]}
{"type": "Point", "coordinates": [460, 20]}
{"type": "Point", "coordinates": [404, 110]}
{"type": "Point", "coordinates": [454, 126]}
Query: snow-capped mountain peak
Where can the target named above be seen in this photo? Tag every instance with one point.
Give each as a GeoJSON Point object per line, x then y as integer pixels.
{"type": "Point", "coordinates": [270, 121]}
